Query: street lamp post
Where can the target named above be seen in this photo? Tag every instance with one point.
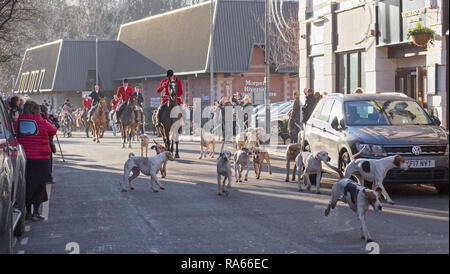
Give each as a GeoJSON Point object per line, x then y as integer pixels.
{"type": "Point", "coordinates": [267, 63]}
{"type": "Point", "coordinates": [211, 56]}
{"type": "Point", "coordinates": [96, 58]}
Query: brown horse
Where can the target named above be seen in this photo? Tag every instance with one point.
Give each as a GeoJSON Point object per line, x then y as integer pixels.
{"type": "Point", "coordinates": [127, 121]}
{"type": "Point", "coordinates": [98, 120]}
{"type": "Point", "coordinates": [165, 129]}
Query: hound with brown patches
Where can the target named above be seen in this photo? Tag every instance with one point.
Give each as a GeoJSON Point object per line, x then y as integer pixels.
{"type": "Point", "coordinates": [374, 171]}
{"type": "Point", "coordinates": [359, 199]}
{"type": "Point", "coordinates": [241, 141]}
{"type": "Point", "coordinates": [259, 156]}
{"type": "Point", "coordinates": [291, 155]}
{"type": "Point", "coordinates": [308, 163]}
{"type": "Point", "coordinates": [145, 142]}
{"type": "Point", "coordinates": [160, 149]}
{"type": "Point", "coordinates": [254, 135]}
{"type": "Point", "coordinates": [207, 142]}
{"type": "Point", "coordinates": [242, 161]}
{"type": "Point", "coordinates": [224, 169]}
{"type": "Point", "coordinates": [148, 166]}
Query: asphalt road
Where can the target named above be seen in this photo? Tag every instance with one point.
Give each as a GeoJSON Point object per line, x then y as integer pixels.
{"type": "Point", "coordinates": [88, 213]}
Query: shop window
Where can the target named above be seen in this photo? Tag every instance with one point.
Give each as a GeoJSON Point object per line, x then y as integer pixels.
{"type": "Point", "coordinates": [351, 71]}
{"type": "Point", "coordinates": [316, 73]}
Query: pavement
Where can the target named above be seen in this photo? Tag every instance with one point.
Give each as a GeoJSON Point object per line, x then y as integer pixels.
{"type": "Point", "coordinates": [87, 213]}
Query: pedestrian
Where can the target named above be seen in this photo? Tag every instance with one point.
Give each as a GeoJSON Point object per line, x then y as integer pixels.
{"type": "Point", "coordinates": [358, 91]}
{"type": "Point", "coordinates": [246, 103]}
{"type": "Point", "coordinates": [37, 149]}
{"type": "Point", "coordinates": [310, 105]}
{"type": "Point", "coordinates": [45, 116]}
{"type": "Point", "coordinates": [318, 96]}
{"type": "Point", "coordinates": [294, 119]}
{"type": "Point", "coordinates": [14, 110]}
{"type": "Point", "coordinates": [224, 103]}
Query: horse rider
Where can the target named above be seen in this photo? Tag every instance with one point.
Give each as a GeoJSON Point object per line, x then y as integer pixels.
{"type": "Point", "coordinates": [140, 107]}
{"type": "Point", "coordinates": [124, 93]}
{"type": "Point", "coordinates": [87, 102]}
{"type": "Point", "coordinates": [167, 84]}
{"type": "Point", "coordinates": [96, 96]}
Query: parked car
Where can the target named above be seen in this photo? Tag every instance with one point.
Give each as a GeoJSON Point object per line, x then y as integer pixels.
{"type": "Point", "coordinates": [389, 124]}
{"type": "Point", "coordinates": [12, 184]}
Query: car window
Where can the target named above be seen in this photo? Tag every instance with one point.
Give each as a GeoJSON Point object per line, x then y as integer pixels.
{"type": "Point", "coordinates": [383, 113]}
{"type": "Point", "coordinates": [336, 111]}
{"type": "Point", "coordinates": [318, 110]}
{"type": "Point", "coordinates": [326, 110]}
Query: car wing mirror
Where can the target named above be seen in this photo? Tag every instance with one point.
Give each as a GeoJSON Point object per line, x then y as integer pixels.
{"type": "Point", "coordinates": [335, 123]}
{"type": "Point", "coordinates": [28, 128]}
{"type": "Point", "coordinates": [436, 120]}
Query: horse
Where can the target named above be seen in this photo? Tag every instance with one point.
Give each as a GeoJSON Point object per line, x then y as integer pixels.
{"type": "Point", "coordinates": [166, 123]}
{"type": "Point", "coordinates": [127, 121]}
{"type": "Point", "coordinates": [66, 121]}
{"type": "Point", "coordinates": [84, 123]}
{"type": "Point", "coordinates": [98, 120]}
{"type": "Point", "coordinates": [141, 121]}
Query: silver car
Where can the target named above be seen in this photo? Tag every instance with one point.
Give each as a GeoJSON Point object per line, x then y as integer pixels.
{"type": "Point", "coordinates": [390, 124]}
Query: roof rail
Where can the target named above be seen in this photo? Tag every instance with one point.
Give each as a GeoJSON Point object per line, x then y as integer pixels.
{"type": "Point", "coordinates": [336, 94]}
{"type": "Point", "coordinates": [395, 93]}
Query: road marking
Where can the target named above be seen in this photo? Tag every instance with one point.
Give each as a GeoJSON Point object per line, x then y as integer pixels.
{"type": "Point", "coordinates": [24, 241]}
{"type": "Point", "coordinates": [46, 205]}
{"type": "Point", "coordinates": [21, 252]}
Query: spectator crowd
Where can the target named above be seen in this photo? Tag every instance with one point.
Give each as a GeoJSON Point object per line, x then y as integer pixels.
{"type": "Point", "coordinates": [39, 150]}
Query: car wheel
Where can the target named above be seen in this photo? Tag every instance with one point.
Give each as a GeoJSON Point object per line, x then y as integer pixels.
{"type": "Point", "coordinates": [442, 188]}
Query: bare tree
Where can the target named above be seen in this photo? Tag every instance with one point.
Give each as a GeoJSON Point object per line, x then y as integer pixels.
{"type": "Point", "coordinates": [14, 17]}
{"type": "Point", "coordinates": [284, 35]}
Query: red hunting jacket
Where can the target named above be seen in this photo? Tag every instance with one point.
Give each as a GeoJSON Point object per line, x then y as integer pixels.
{"type": "Point", "coordinates": [86, 103]}
{"type": "Point", "coordinates": [165, 86]}
{"type": "Point", "coordinates": [37, 147]}
{"type": "Point", "coordinates": [114, 104]}
{"type": "Point", "coordinates": [124, 94]}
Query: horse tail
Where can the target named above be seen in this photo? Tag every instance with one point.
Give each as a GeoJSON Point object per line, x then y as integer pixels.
{"type": "Point", "coordinates": [131, 155]}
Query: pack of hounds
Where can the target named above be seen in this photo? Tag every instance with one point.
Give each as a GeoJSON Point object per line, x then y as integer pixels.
{"type": "Point", "coordinates": [353, 193]}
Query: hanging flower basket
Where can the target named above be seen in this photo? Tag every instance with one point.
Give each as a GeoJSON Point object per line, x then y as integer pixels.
{"type": "Point", "coordinates": [421, 36]}
{"type": "Point", "coordinates": [421, 40]}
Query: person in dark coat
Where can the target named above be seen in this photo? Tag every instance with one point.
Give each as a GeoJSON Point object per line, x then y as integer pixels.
{"type": "Point", "coordinates": [310, 105]}
{"type": "Point", "coordinates": [224, 103]}
{"type": "Point", "coordinates": [294, 119]}
{"type": "Point", "coordinates": [140, 104]}
{"type": "Point", "coordinates": [37, 149]}
{"type": "Point", "coordinates": [45, 116]}
{"type": "Point", "coordinates": [247, 102]}
{"type": "Point", "coordinates": [95, 96]}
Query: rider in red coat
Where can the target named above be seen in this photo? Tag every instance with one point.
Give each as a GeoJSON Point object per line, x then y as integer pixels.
{"type": "Point", "coordinates": [86, 103]}
{"type": "Point", "coordinates": [171, 82]}
{"type": "Point", "coordinates": [123, 93]}
{"type": "Point", "coordinates": [165, 84]}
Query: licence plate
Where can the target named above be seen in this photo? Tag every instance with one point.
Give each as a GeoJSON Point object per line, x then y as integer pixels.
{"type": "Point", "coordinates": [421, 163]}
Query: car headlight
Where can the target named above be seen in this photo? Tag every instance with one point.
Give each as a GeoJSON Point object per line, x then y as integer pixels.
{"type": "Point", "coordinates": [371, 150]}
